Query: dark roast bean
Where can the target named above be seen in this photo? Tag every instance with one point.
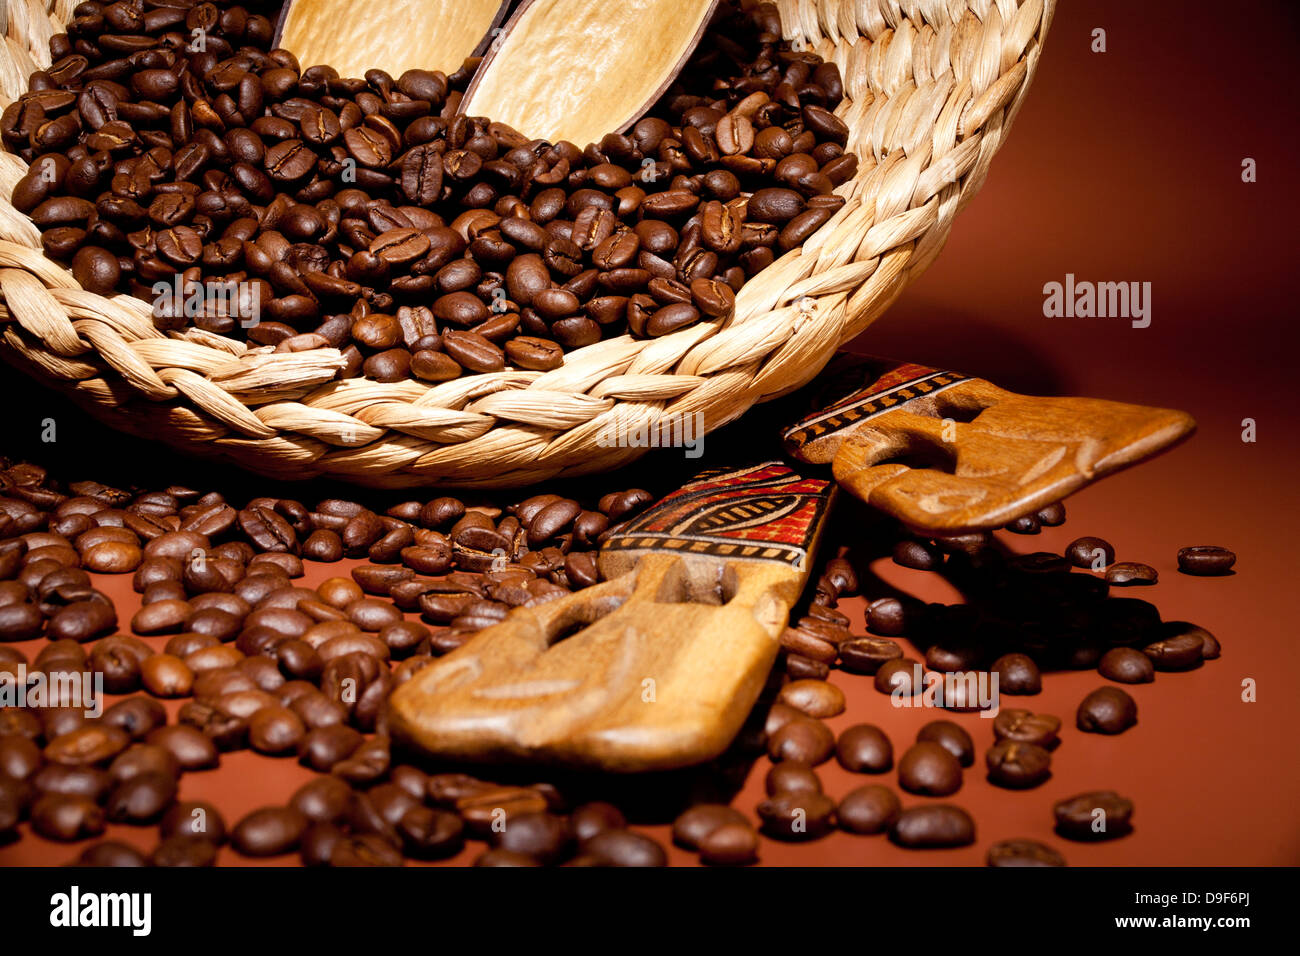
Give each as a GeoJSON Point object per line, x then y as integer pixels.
{"type": "Point", "coordinates": [797, 815]}
{"type": "Point", "coordinates": [1019, 852]}
{"type": "Point", "coordinates": [1094, 816]}
{"type": "Point", "coordinates": [543, 836]}
{"type": "Point", "coordinates": [110, 853]}
{"type": "Point", "coordinates": [269, 831]}
{"type": "Point", "coordinates": [951, 737]}
{"type": "Point", "coordinates": [1107, 710]}
{"type": "Point", "coordinates": [1094, 553]}
{"type": "Point", "coordinates": [804, 739]}
{"type": "Point", "coordinates": [692, 826]}
{"type": "Point", "coordinates": [864, 748]}
{"type": "Point", "coordinates": [933, 826]}
{"type": "Point", "coordinates": [194, 819]}
{"type": "Point", "coordinates": [141, 798]}
{"type": "Point", "coordinates": [816, 698]}
{"type": "Point", "coordinates": [1017, 674]}
{"type": "Point", "coordinates": [1205, 560]}
{"type": "Point", "coordinates": [868, 810]}
{"type": "Point", "coordinates": [928, 768]}
{"type": "Point", "coordinates": [1127, 666]}
{"type": "Point", "coordinates": [1016, 765]}
{"type": "Point", "coordinates": [1129, 573]}
{"type": "Point", "coordinates": [58, 816]}
{"type": "Point", "coordinates": [865, 655]}
{"type": "Point", "coordinates": [1025, 727]}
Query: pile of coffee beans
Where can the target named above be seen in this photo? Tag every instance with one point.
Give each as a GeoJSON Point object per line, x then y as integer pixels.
{"type": "Point", "coordinates": [365, 214]}
{"type": "Point", "coordinates": [255, 661]}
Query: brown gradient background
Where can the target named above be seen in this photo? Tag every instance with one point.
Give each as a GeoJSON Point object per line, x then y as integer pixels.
{"type": "Point", "coordinates": [1123, 166]}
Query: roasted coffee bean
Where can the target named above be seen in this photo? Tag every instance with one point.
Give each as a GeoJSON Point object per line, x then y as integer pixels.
{"type": "Point", "coordinates": [1094, 816]}
{"type": "Point", "coordinates": [1129, 573]}
{"type": "Point", "coordinates": [791, 775]}
{"type": "Point", "coordinates": [797, 815]}
{"type": "Point", "coordinates": [887, 616]}
{"type": "Point", "coordinates": [951, 737]}
{"type": "Point", "coordinates": [804, 739]}
{"type": "Point", "coordinates": [1020, 852]}
{"type": "Point", "coordinates": [497, 805]}
{"type": "Point", "coordinates": [192, 750]}
{"type": "Point", "coordinates": [364, 849]}
{"type": "Point", "coordinates": [430, 834]}
{"type": "Point", "coordinates": [1025, 727]}
{"type": "Point", "coordinates": [1180, 652]}
{"type": "Point", "coordinates": [693, 825]}
{"type": "Point", "coordinates": [929, 769]}
{"type": "Point", "coordinates": [184, 851]}
{"type": "Point", "coordinates": [1127, 666]}
{"type": "Point", "coordinates": [816, 698]}
{"type": "Point", "coordinates": [19, 757]}
{"type": "Point", "coordinates": [275, 730]}
{"type": "Point", "coordinates": [1178, 629]}
{"type": "Point", "coordinates": [933, 826]}
{"type": "Point", "coordinates": [732, 844]}
{"type": "Point", "coordinates": [110, 853]}
{"type": "Point", "coordinates": [1107, 710]}
{"type": "Point", "coordinates": [269, 831]}
{"type": "Point", "coordinates": [1094, 553]}
{"type": "Point", "coordinates": [89, 782]}
{"type": "Point", "coordinates": [899, 676]}
{"type": "Point", "coordinates": [868, 810]}
{"type": "Point", "coordinates": [324, 747]}
{"type": "Point", "coordinates": [864, 748]}
{"type": "Point", "coordinates": [194, 819]}
{"type": "Point", "coordinates": [624, 848]}
{"type": "Point", "coordinates": [806, 644]}
{"type": "Point", "coordinates": [143, 758]}
{"type": "Point", "coordinates": [58, 816]}
{"type": "Point", "coordinates": [1205, 560]}
{"type": "Point", "coordinates": [543, 836]}
{"type": "Point", "coordinates": [323, 800]}
{"type": "Point", "coordinates": [917, 555]}
{"type": "Point", "coordinates": [865, 655]}
{"type": "Point", "coordinates": [166, 676]}
{"type": "Point", "coordinates": [88, 745]}
{"type": "Point", "coordinates": [141, 798]}
{"type": "Point", "coordinates": [1025, 524]}
{"type": "Point", "coordinates": [1017, 674]}
{"type": "Point", "coordinates": [1017, 766]}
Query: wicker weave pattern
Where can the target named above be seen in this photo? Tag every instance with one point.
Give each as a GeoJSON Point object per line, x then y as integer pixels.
{"type": "Point", "coordinates": [931, 89]}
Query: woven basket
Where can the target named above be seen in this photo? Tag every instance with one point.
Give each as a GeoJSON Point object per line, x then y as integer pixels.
{"type": "Point", "coordinates": [931, 88]}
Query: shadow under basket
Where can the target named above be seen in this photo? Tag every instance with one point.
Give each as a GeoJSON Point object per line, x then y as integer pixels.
{"type": "Point", "coordinates": [928, 102]}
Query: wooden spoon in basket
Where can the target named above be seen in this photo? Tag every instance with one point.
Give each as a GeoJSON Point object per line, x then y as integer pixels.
{"type": "Point", "coordinates": [559, 70]}
{"type": "Point", "coordinates": [653, 669]}
{"type": "Point", "coordinates": [945, 453]}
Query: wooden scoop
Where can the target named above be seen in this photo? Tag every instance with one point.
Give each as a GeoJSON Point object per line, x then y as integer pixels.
{"type": "Point", "coordinates": [945, 453]}
{"type": "Point", "coordinates": [394, 35]}
{"type": "Point", "coordinates": [669, 654]}
{"type": "Point", "coordinates": [578, 69]}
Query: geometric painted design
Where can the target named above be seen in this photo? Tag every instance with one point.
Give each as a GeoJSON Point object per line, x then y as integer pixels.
{"type": "Point", "coordinates": [844, 401]}
{"type": "Point", "coordinates": [763, 512]}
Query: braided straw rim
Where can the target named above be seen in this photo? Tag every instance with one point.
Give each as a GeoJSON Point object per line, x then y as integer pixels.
{"type": "Point", "coordinates": [931, 89]}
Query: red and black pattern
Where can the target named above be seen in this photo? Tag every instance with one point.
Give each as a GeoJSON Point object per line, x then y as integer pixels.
{"type": "Point", "coordinates": [763, 512]}
{"type": "Point", "coordinates": [844, 401]}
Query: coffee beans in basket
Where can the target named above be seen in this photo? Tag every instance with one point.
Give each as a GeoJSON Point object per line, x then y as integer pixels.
{"type": "Point", "coordinates": [248, 195]}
